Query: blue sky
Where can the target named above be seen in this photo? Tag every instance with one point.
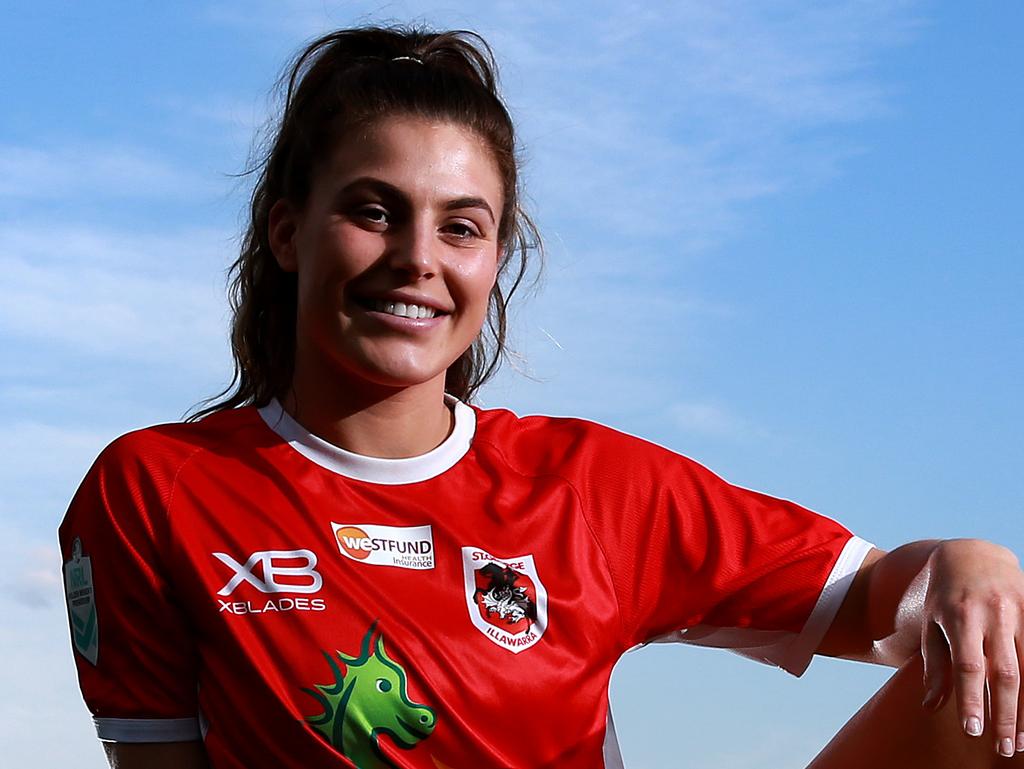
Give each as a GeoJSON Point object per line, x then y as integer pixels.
{"type": "Point", "coordinates": [783, 238]}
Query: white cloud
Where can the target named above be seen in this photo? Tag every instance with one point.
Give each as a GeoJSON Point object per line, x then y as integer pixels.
{"type": "Point", "coordinates": [662, 122]}
{"type": "Point", "coordinates": [713, 420]}
{"type": "Point", "coordinates": [136, 297]}
{"type": "Point", "coordinates": [37, 675]}
{"type": "Point", "coordinates": [230, 119]}
{"type": "Point", "coordinates": [37, 583]}
{"type": "Point", "coordinates": [43, 465]}
{"type": "Point", "coordinates": [37, 173]}
{"type": "Point", "coordinates": [32, 567]}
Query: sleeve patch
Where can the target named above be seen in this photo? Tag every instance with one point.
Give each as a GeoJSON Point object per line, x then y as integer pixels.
{"type": "Point", "coordinates": [81, 598]}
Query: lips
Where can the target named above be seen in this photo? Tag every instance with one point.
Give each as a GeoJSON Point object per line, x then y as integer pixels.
{"type": "Point", "coordinates": [403, 304]}
{"type": "Point", "coordinates": [403, 310]}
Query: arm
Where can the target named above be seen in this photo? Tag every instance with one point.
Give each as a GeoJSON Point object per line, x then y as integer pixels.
{"type": "Point", "coordinates": [961, 604]}
{"type": "Point", "coordinates": [156, 755]}
{"type": "Point", "coordinates": [879, 620]}
{"type": "Point", "coordinates": [138, 669]}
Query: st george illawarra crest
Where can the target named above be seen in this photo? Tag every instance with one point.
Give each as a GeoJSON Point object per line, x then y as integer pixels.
{"type": "Point", "coordinates": [507, 601]}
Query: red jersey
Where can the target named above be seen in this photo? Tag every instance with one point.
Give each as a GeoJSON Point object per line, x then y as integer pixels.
{"type": "Point", "coordinates": [295, 605]}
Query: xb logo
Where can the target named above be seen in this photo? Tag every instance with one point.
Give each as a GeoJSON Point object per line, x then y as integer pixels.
{"type": "Point", "coordinates": [306, 579]}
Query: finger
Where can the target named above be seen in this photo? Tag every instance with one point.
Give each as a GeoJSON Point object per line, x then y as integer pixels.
{"type": "Point", "coordinates": [968, 655]}
{"type": "Point", "coordinates": [938, 679]}
{"type": "Point", "coordinates": [1003, 686]}
{"type": "Point", "coordinates": [1019, 645]}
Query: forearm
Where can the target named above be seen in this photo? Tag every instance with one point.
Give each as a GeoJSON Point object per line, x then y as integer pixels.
{"type": "Point", "coordinates": [163, 755]}
{"type": "Point", "coordinates": [880, 618]}
{"type": "Point", "coordinates": [894, 603]}
{"type": "Point", "coordinates": [960, 603]}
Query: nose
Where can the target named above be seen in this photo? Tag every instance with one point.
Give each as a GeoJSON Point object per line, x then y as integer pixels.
{"type": "Point", "coordinates": [414, 251]}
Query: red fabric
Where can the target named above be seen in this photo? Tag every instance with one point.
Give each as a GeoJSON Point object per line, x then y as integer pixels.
{"type": "Point", "coordinates": [627, 539]}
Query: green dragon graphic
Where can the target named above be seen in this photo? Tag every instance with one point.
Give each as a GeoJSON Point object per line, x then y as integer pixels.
{"type": "Point", "coordinates": [366, 700]}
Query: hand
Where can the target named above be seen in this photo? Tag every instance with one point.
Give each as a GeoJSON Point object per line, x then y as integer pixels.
{"type": "Point", "coordinates": [973, 637]}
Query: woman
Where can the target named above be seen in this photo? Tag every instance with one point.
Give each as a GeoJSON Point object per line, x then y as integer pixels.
{"type": "Point", "coordinates": [343, 563]}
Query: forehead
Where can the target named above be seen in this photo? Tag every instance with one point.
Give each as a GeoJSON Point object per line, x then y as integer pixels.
{"type": "Point", "coordinates": [418, 156]}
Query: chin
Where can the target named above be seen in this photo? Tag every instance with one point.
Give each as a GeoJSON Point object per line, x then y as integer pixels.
{"type": "Point", "coordinates": [400, 376]}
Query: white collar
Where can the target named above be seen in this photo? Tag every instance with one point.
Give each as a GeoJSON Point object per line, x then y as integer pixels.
{"type": "Point", "coordinates": [376, 469]}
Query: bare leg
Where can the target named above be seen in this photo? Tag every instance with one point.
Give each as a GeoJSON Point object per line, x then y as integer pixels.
{"type": "Point", "coordinates": [893, 731]}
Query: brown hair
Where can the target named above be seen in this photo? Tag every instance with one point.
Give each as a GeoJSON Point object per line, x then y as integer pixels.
{"type": "Point", "coordinates": [341, 81]}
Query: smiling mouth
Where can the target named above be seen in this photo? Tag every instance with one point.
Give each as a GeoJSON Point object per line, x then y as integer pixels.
{"type": "Point", "coordinates": [400, 309]}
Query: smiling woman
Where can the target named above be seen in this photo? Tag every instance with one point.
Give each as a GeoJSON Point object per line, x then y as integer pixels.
{"type": "Point", "coordinates": [396, 253]}
{"type": "Point", "coordinates": [339, 89]}
{"type": "Point", "coordinates": [344, 562]}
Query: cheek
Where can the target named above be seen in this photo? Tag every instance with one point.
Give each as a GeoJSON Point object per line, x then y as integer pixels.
{"type": "Point", "coordinates": [339, 251]}
{"type": "Point", "coordinates": [477, 279]}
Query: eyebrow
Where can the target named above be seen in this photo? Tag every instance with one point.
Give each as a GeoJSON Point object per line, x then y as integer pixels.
{"type": "Point", "coordinates": [382, 187]}
{"type": "Point", "coordinates": [480, 203]}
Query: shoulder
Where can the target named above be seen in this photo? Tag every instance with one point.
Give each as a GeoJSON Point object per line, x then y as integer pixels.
{"type": "Point", "coordinates": [151, 457]}
{"type": "Point", "coordinates": [175, 442]}
{"type": "Point", "coordinates": [553, 443]}
{"type": "Point", "coordinates": [131, 482]}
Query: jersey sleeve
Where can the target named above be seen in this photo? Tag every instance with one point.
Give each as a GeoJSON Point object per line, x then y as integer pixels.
{"type": "Point", "coordinates": [697, 560]}
{"type": "Point", "coordinates": [134, 651]}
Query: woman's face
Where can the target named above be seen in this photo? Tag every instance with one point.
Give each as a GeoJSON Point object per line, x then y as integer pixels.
{"type": "Point", "coordinates": [396, 251]}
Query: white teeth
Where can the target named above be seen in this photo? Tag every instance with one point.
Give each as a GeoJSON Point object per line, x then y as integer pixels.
{"type": "Point", "coordinates": [404, 310]}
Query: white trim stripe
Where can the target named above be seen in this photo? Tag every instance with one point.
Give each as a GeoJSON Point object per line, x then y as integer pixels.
{"type": "Point", "coordinates": [799, 653]}
{"type": "Point", "coordinates": [790, 651]}
{"type": "Point", "coordinates": [610, 750]}
{"type": "Point", "coordinates": [391, 472]}
{"type": "Point", "coordinates": [147, 729]}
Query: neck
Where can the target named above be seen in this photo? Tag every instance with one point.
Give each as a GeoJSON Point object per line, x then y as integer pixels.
{"type": "Point", "coordinates": [371, 420]}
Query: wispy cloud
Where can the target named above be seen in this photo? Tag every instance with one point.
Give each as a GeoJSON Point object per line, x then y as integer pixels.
{"type": "Point", "coordinates": [714, 420]}
{"type": "Point", "coordinates": [34, 582]}
{"type": "Point", "coordinates": [37, 674]}
{"type": "Point", "coordinates": [678, 115]}
{"type": "Point", "coordinates": [660, 120]}
{"type": "Point", "coordinates": [43, 464]}
{"type": "Point", "coordinates": [228, 118]}
{"type": "Point", "coordinates": [59, 173]}
{"type": "Point", "coordinates": [658, 124]}
{"type": "Point", "coordinates": [136, 297]}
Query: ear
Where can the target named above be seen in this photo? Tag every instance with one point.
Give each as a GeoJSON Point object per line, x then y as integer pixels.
{"type": "Point", "coordinates": [282, 228]}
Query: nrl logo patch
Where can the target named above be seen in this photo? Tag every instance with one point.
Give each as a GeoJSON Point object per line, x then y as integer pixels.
{"type": "Point", "coordinates": [507, 601]}
{"type": "Point", "coordinates": [81, 597]}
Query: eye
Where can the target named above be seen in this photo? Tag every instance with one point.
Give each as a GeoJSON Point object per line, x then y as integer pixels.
{"type": "Point", "coordinates": [373, 214]}
{"type": "Point", "coordinates": [383, 685]}
{"type": "Point", "coordinates": [462, 230]}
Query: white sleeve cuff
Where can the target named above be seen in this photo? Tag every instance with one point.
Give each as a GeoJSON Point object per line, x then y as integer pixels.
{"type": "Point", "coordinates": [147, 729]}
{"type": "Point", "coordinates": [790, 651]}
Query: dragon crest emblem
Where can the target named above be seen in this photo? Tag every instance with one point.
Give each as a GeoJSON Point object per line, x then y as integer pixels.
{"type": "Point", "coordinates": [368, 698]}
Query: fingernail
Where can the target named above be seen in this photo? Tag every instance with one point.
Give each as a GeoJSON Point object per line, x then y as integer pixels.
{"type": "Point", "coordinates": [973, 726]}
{"type": "Point", "coordinates": [1020, 741]}
{"type": "Point", "coordinates": [1006, 746]}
